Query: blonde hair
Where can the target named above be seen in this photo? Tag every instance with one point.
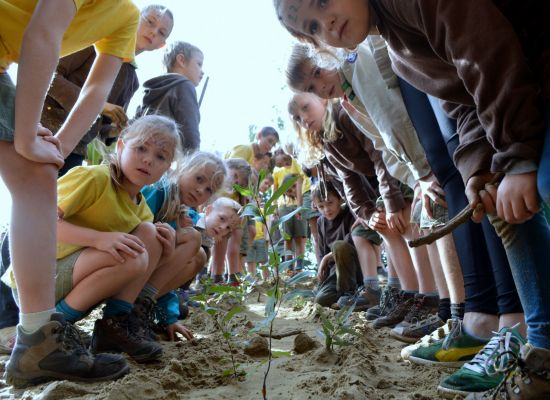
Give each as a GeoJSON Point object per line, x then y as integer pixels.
{"type": "Point", "coordinates": [162, 131]}
{"type": "Point", "coordinates": [305, 56]}
{"type": "Point", "coordinates": [226, 202]}
{"type": "Point", "coordinates": [312, 141]}
{"type": "Point", "coordinates": [200, 160]}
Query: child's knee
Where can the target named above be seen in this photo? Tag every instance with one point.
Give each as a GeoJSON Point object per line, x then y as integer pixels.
{"type": "Point", "coordinates": [134, 267]}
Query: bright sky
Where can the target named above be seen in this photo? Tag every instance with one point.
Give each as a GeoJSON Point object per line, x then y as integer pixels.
{"type": "Point", "coordinates": [245, 53]}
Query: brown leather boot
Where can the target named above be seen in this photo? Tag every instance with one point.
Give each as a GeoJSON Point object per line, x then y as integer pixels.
{"type": "Point", "coordinates": [529, 381]}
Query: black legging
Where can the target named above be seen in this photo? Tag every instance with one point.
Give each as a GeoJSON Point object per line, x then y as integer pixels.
{"type": "Point", "coordinates": [488, 281]}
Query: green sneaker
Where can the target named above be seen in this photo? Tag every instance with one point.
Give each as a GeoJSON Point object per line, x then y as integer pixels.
{"type": "Point", "coordinates": [453, 351]}
{"type": "Point", "coordinates": [486, 370]}
{"type": "Point", "coordinates": [437, 334]}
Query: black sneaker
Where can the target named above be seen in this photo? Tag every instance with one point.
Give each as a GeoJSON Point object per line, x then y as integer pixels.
{"type": "Point", "coordinates": [115, 334]}
{"type": "Point", "coordinates": [56, 351]}
{"type": "Point", "coordinates": [363, 299]}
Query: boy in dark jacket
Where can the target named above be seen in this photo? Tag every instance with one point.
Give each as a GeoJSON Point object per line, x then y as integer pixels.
{"type": "Point", "coordinates": [339, 271]}
{"type": "Point", "coordinates": [173, 94]}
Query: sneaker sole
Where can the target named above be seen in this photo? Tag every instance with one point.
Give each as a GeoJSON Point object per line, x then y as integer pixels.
{"type": "Point", "coordinates": [20, 380]}
{"type": "Point", "coordinates": [451, 393]}
{"type": "Point", "coordinates": [406, 339]}
{"type": "Point", "coordinates": [446, 364]}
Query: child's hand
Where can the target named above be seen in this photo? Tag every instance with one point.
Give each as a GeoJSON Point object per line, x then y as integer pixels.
{"type": "Point", "coordinates": [178, 328]}
{"type": "Point", "coordinates": [117, 244]}
{"type": "Point", "coordinates": [116, 114]}
{"type": "Point", "coordinates": [431, 191]}
{"type": "Point", "coordinates": [377, 221]}
{"type": "Point", "coordinates": [479, 190]}
{"type": "Point", "coordinates": [166, 235]}
{"type": "Point", "coordinates": [44, 148]}
{"type": "Point", "coordinates": [185, 221]}
{"type": "Point", "coordinates": [396, 221]}
{"type": "Point", "coordinates": [516, 199]}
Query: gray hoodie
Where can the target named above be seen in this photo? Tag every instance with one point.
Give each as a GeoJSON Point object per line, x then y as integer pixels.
{"type": "Point", "coordinates": [174, 96]}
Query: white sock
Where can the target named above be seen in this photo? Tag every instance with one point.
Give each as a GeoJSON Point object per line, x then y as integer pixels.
{"type": "Point", "coordinates": [31, 322]}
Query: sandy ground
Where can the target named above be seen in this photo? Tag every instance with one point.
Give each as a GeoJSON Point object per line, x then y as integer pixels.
{"type": "Point", "coordinates": [370, 368]}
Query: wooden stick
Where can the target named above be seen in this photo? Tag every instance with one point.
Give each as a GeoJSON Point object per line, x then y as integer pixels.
{"type": "Point", "coordinates": [444, 230]}
{"type": "Point", "coordinates": [282, 334]}
{"type": "Point", "coordinates": [458, 220]}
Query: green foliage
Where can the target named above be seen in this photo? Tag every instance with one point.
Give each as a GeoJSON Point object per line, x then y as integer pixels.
{"type": "Point", "coordinates": [334, 329]}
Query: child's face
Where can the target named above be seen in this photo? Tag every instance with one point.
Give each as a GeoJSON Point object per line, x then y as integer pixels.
{"type": "Point", "coordinates": [261, 163]}
{"type": "Point", "coordinates": [282, 160]}
{"type": "Point", "coordinates": [291, 192]}
{"type": "Point", "coordinates": [143, 163]}
{"type": "Point", "coordinates": [338, 23]}
{"type": "Point", "coordinates": [266, 143]}
{"type": "Point", "coordinates": [329, 208]}
{"type": "Point", "coordinates": [196, 186]}
{"type": "Point", "coordinates": [153, 30]}
{"type": "Point", "coordinates": [322, 82]}
{"type": "Point", "coordinates": [265, 185]}
{"type": "Point", "coordinates": [308, 110]}
{"type": "Point", "coordinates": [192, 68]}
{"type": "Point", "coordinates": [220, 221]}
{"type": "Point", "coordinates": [238, 177]}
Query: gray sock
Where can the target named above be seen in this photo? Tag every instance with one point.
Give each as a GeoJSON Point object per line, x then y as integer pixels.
{"type": "Point", "coordinates": [149, 291]}
{"type": "Point", "coordinates": [394, 282]}
{"type": "Point", "coordinates": [371, 282]}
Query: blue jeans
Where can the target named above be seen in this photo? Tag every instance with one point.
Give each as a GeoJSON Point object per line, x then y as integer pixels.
{"type": "Point", "coordinates": [543, 175]}
{"type": "Point", "coordinates": [528, 249]}
{"type": "Point", "coordinates": [488, 281]}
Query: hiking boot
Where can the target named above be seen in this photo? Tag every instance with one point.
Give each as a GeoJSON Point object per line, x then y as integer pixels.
{"type": "Point", "coordinates": [363, 299]}
{"type": "Point", "coordinates": [7, 339]}
{"type": "Point", "coordinates": [56, 351]}
{"type": "Point", "coordinates": [397, 312]}
{"type": "Point", "coordinates": [387, 297]}
{"type": "Point", "coordinates": [437, 334]}
{"type": "Point", "coordinates": [115, 334]}
{"type": "Point", "coordinates": [528, 378]}
{"type": "Point", "coordinates": [415, 331]}
{"type": "Point", "coordinates": [422, 307]}
{"type": "Point", "coordinates": [142, 320]}
{"type": "Point", "coordinates": [486, 370]}
{"type": "Point", "coordinates": [453, 351]}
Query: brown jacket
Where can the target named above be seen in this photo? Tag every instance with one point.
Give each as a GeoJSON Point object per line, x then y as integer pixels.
{"type": "Point", "coordinates": [354, 157]}
{"type": "Point", "coordinates": [468, 54]}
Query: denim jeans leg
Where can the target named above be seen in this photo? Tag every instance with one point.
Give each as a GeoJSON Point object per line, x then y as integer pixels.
{"type": "Point", "coordinates": [528, 248]}
{"type": "Point", "coordinates": [543, 175]}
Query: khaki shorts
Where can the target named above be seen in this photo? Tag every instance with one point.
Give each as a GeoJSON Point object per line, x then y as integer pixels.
{"type": "Point", "coordinates": [369, 234]}
{"type": "Point", "coordinates": [7, 108]}
{"type": "Point", "coordinates": [257, 252]}
{"type": "Point", "coordinates": [64, 275]}
{"type": "Point", "coordinates": [294, 227]}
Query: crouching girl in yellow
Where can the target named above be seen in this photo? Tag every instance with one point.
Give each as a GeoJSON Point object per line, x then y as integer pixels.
{"type": "Point", "coordinates": [108, 246]}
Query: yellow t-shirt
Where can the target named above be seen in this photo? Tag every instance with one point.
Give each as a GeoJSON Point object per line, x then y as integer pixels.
{"type": "Point", "coordinates": [260, 231]}
{"type": "Point", "coordinates": [88, 198]}
{"type": "Point", "coordinates": [244, 151]}
{"type": "Point", "coordinates": [280, 173]}
{"type": "Point", "coordinates": [109, 24]}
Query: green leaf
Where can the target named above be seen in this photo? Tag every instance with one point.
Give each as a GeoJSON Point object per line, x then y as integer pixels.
{"type": "Point", "coordinates": [243, 191]}
{"type": "Point", "coordinates": [305, 293]}
{"type": "Point", "coordinates": [350, 331]}
{"type": "Point", "coordinates": [285, 265]}
{"type": "Point", "coordinates": [301, 277]}
{"type": "Point", "coordinates": [277, 354]}
{"type": "Point", "coordinates": [280, 191]}
{"type": "Point", "coordinates": [251, 210]}
{"type": "Point", "coordinates": [227, 335]}
{"type": "Point", "coordinates": [231, 313]}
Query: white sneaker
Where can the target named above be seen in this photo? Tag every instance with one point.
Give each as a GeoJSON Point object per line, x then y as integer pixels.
{"type": "Point", "coordinates": [436, 335]}
{"type": "Point", "coordinates": [7, 339]}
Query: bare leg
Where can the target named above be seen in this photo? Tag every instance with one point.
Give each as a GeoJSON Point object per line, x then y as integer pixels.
{"type": "Point", "coordinates": [451, 269]}
{"type": "Point", "coordinates": [32, 228]}
{"type": "Point", "coordinates": [234, 251]}
{"type": "Point", "coordinates": [401, 260]}
{"type": "Point", "coordinates": [218, 257]}
{"type": "Point", "coordinates": [367, 255]}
